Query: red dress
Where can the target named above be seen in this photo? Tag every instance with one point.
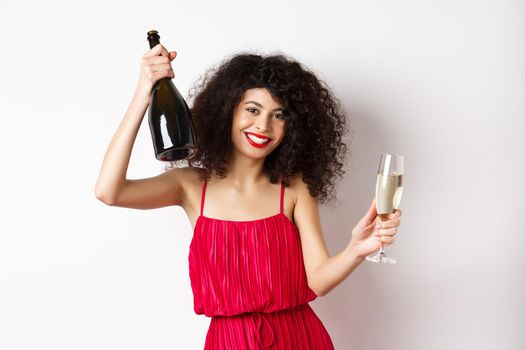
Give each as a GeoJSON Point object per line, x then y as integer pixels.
{"type": "Point", "coordinates": [249, 277]}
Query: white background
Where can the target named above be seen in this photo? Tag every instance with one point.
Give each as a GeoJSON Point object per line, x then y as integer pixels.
{"type": "Point", "coordinates": [441, 82]}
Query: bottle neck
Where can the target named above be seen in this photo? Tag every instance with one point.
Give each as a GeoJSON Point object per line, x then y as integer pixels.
{"type": "Point", "coordinates": [153, 38]}
{"type": "Point", "coordinates": [153, 41]}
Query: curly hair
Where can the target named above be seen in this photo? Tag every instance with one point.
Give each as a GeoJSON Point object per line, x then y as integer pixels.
{"type": "Point", "coordinates": [315, 122]}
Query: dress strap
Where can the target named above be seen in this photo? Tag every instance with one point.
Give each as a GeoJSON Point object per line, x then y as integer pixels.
{"type": "Point", "coordinates": [282, 195]}
{"type": "Point", "coordinates": [203, 194]}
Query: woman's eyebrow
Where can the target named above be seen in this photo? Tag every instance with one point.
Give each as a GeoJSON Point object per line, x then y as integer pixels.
{"type": "Point", "coordinates": [260, 105]}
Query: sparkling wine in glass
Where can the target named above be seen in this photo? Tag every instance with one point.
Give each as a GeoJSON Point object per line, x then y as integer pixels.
{"type": "Point", "coordinates": [389, 188]}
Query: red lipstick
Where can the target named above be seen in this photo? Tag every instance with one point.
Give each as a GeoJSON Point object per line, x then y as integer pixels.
{"type": "Point", "coordinates": [259, 135]}
{"type": "Point", "coordinates": [256, 144]}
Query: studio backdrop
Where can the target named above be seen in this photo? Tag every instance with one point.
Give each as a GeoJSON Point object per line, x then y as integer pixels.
{"type": "Point", "coordinates": [440, 82]}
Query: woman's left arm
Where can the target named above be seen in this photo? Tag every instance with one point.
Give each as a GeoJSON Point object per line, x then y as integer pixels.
{"type": "Point", "coordinates": [325, 272]}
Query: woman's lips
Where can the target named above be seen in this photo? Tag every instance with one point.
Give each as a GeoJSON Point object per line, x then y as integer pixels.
{"type": "Point", "coordinates": [258, 135]}
{"type": "Point", "coordinates": [256, 144]}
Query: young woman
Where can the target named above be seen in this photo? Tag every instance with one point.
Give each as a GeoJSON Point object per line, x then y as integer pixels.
{"type": "Point", "coordinates": [269, 137]}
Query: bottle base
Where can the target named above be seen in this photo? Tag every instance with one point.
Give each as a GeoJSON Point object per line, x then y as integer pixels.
{"type": "Point", "coordinates": [176, 154]}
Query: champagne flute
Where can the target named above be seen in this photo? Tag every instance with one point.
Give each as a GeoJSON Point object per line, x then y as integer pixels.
{"type": "Point", "coordinates": [389, 188]}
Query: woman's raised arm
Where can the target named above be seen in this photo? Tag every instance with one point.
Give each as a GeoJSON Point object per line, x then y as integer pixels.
{"type": "Point", "coordinates": [112, 187]}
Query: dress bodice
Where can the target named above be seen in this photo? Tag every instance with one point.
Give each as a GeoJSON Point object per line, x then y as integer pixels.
{"type": "Point", "coordinates": [247, 266]}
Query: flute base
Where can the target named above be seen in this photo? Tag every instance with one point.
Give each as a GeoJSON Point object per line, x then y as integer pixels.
{"type": "Point", "coordinates": [381, 258]}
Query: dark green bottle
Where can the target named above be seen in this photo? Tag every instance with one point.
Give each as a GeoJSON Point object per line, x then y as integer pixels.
{"type": "Point", "coordinates": [169, 118]}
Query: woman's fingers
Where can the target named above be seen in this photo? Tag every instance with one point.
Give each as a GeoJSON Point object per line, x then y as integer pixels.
{"type": "Point", "coordinates": [155, 65]}
{"type": "Point", "coordinates": [387, 228]}
{"type": "Point", "coordinates": [156, 51]}
{"type": "Point", "coordinates": [160, 67]}
{"type": "Point", "coordinates": [386, 232]}
{"type": "Point", "coordinates": [159, 63]}
{"type": "Point", "coordinates": [161, 59]}
{"type": "Point", "coordinates": [157, 60]}
{"type": "Point", "coordinates": [389, 223]}
{"type": "Point", "coordinates": [386, 239]}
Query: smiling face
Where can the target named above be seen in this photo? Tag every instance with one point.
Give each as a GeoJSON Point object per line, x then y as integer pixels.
{"type": "Point", "coordinates": [258, 125]}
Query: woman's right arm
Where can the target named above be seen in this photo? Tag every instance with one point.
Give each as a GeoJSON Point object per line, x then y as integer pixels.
{"type": "Point", "coordinates": [112, 187]}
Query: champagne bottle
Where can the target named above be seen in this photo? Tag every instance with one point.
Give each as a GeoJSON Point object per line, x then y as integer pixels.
{"type": "Point", "coordinates": [169, 118]}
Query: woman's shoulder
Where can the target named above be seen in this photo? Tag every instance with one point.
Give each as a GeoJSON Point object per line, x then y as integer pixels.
{"type": "Point", "coordinates": [191, 175]}
{"type": "Point", "coordinates": [189, 178]}
{"type": "Point", "coordinates": [298, 187]}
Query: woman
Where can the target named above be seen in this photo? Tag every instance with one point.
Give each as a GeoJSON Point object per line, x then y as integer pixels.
{"type": "Point", "coordinates": [269, 138]}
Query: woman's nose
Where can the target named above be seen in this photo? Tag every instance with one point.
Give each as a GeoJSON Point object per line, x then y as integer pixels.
{"type": "Point", "coordinates": [263, 123]}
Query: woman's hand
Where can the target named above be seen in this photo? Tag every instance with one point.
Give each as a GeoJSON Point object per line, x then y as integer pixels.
{"type": "Point", "coordinates": [367, 238]}
{"type": "Point", "coordinates": [156, 64]}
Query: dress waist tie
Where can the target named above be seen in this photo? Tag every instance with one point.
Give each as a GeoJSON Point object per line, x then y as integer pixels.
{"type": "Point", "coordinates": [260, 320]}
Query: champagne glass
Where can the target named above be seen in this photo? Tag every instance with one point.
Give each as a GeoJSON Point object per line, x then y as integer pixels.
{"type": "Point", "coordinates": [389, 188]}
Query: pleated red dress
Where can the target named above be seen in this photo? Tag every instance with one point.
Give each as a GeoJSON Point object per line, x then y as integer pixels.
{"type": "Point", "coordinates": [249, 277]}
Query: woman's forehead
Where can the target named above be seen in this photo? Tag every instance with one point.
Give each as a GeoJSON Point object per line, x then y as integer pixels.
{"type": "Point", "coordinates": [261, 96]}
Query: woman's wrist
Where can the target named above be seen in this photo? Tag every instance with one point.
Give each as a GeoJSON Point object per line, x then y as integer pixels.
{"type": "Point", "coordinates": [352, 251]}
{"type": "Point", "coordinates": [142, 97]}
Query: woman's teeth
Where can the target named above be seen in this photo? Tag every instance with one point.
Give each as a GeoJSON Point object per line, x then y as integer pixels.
{"type": "Point", "coordinates": [257, 140]}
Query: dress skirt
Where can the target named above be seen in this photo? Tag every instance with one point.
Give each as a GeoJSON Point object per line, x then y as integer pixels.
{"type": "Point", "coordinates": [296, 328]}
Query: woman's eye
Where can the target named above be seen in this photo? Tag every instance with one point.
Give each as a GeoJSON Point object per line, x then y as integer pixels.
{"type": "Point", "coordinates": [254, 110]}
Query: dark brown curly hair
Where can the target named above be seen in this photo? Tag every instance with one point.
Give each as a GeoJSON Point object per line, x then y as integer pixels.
{"type": "Point", "coordinates": [314, 120]}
